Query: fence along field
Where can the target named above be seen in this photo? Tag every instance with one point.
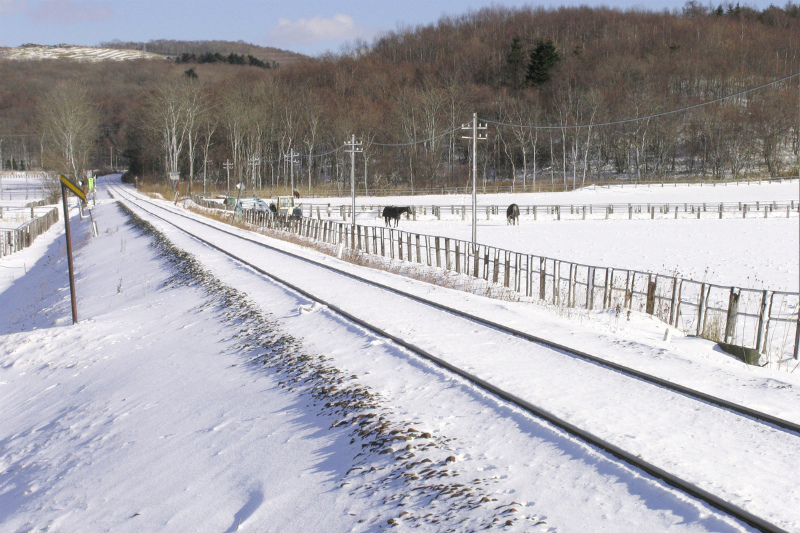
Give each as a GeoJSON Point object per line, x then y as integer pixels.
{"type": "Point", "coordinates": [765, 321]}
{"type": "Point", "coordinates": [17, 238]}
{"type": "Point", "coordinates": [22, 217]}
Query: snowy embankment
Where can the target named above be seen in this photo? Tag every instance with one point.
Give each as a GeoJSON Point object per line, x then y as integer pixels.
{"type": "Point", "coordinates": [148, 415]}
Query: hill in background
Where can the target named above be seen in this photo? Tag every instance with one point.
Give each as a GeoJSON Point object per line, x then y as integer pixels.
{"type": "Point", "coordinates": [175, 49]}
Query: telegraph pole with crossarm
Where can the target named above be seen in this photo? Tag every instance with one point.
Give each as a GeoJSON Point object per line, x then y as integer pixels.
{"type": "Point", "coordinates": [475, 137]}
{"type": "Point", "coordinates": [353, 147]}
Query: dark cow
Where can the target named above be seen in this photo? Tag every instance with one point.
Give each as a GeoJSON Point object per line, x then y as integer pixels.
{"type": "Point", "coordinates": [391, 212]}
{"type": "Point", "coordinates": [512, 214]}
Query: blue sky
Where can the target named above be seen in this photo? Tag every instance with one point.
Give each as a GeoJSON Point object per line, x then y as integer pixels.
{"type": "Point", "coordinates": [306, 26]}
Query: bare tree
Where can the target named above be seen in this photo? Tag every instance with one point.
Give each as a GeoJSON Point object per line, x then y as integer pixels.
{"type": "Point", "coordinates": [71, 127]}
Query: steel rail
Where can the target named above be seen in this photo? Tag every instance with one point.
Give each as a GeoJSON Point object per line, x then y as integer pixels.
{"type": "Point", "coordinates": [633, 460]}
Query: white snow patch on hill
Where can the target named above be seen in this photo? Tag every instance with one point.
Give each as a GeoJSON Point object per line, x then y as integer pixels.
{"type": "Point", "coordinates": [78, 53]}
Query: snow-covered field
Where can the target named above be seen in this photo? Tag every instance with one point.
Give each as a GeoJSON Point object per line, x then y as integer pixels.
{"type": "Point", "coordinates": [20, 188]}
{"type": "Point", "coordinates": [78, 53]}
{"type": "Point", "coordinates": [753, 253]}
{"type": "Point", "coordinates": [149, 415]}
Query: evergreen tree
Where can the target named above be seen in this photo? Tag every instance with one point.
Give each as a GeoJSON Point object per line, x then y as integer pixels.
{"type": "Point", "coordinates": [515, 64]}
{"type": "Point", "coordinates": [544, 58]}
{"type": "Point", "coordinates": [236, 59]}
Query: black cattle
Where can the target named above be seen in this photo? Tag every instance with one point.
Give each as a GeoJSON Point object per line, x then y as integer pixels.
{"type": "Point", "coordinates": [391, 212]}
{"type": "Point", "coordinates": [512, 214]}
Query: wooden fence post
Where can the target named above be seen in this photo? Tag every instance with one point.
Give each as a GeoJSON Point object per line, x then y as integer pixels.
{"type": "Point", "coordinates": [650, 306]}
{"type": "Point", "coordinates": [542, 277]}
{"type": "Point", "coordinates": [400, 245]}
{"type": "Point", "coordinates": [672, 301]}
{"type": "Point", "coordinates": [733, 313]}
{"type": "Point", "coordinates": [678, 303]}
{"type": "Point", "coordinates": [701, 310]}
{"type": "Point", "coordinates": [763, 320]}
{"type": "Point", "coordinates": [556, 280]}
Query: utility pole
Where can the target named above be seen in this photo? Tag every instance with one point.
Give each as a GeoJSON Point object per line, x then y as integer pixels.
{"type": "Point", "coordinates": [228, 165]}
{"type": "Point", "coordinates": [255, 164]}
{"type": "Point", "coordinates": [291, 158]}
{"type": "Point", "coordinates": [353, 147]}
{"type": "Point", "coordinates": [475, 137]}
{"type": "Point", "coordinates": [797, 325]}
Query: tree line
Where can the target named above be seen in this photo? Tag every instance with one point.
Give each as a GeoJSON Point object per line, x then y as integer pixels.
{"type": "Point", "coordinates": [543, 79]}
{"type": "Point", "coordinates": [216, 57]}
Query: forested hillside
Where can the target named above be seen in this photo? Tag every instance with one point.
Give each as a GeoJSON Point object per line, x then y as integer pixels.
{"type": "Point", "coordinates": [538, 77]}
{"type": "Point", "coordinates": [171, 48]}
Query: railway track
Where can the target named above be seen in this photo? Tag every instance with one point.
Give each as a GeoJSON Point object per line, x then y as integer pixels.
{"type": "Point", "coordinates": [152, 208]}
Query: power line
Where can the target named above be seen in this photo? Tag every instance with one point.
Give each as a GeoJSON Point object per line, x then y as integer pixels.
{"type": "Point", "coordinates": [429, 139]}
{"type": "Point", "coordinates": [647, 117]}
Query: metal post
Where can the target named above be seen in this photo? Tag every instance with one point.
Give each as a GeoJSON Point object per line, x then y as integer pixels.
{"type": "Point", "coordinates": [69, 256]}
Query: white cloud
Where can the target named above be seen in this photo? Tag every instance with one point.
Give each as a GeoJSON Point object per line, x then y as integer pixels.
{"type": "Point", "coordinates": [309, 31]}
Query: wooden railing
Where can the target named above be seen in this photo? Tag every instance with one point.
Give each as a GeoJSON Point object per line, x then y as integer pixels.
{"type": "Point", "coordinates": [14, 240]}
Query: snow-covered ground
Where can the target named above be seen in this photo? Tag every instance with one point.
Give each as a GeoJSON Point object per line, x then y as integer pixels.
{"type": "Point", "coordinates": [150, 414]}
{"type": "Point", "coordinates": [19, 188]}
{"type": "Point", "coordinates": [753, 253]}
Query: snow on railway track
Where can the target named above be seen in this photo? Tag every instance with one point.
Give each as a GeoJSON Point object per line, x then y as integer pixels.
{"type": "Point", "coordinates": [732, 457]}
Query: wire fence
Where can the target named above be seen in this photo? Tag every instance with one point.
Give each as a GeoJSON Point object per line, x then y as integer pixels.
{"type": "Point", "coordinates": [762, 320]}
{"type": "Point", "coordinates": [543, 184]}
{"type": "Point", "coordinates": [769, 209]}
